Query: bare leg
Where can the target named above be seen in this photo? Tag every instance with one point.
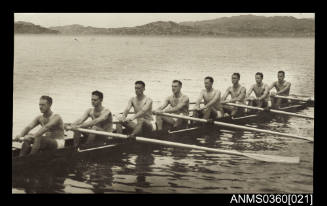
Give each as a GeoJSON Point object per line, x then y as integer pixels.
{"type": "Point", "coordinates": [196, 114]}
{"type": "Point", "coordinates": [138, 128]}
{"type": "Point", "coordinates": [77, 137]}
{"type": "Point", "coordinates": [26, 148]}
{"type": "Point", "coordinates": [43, 142]}
{"type": "Point", "coordinates": [209, 113]}
{"type": "Point", "coordinates": [119, 128]}
{"type": "Point", "coordinates": [180, 124]}
{"type": "Point", "coordinates": [234, 112]}
{"type": "Point", "coordinates": [160, 120]}
{"type": "Point", "coordinates": [36, 145]}
{"type": "Point", "coordinates": [92, 138]}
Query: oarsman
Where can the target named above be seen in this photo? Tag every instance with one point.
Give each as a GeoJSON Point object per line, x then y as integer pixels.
{"type": "Point", "coordinates": [283, 89]}
{"type": "Point", "coordinates": [212, 108]}
{"type": "Point", "coordinates": [51, 134]}
{"type": "Point", "coordinates": [143, 112]}
{"type": "Point", "coordinates": [179, 104]}
{"type": "Point", "coordinates": [261, 91]}
{"type": "Point", "coordinates": [237, 93]}
{"type": "Point", "coordinates": [101, 120]}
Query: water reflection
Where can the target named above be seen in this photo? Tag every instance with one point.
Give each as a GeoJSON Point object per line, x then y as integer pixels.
{"type": "Point", "coordinates": [43, 179]}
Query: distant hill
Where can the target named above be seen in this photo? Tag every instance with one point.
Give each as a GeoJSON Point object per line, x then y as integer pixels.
{"type": "Point", "coordinates": [21, 27]}
{"type": "Point", "coordinates": [236, 26]}
{"type": "Point", "coordinates": [154, 28]}
{"type": "Point", "coordinates": [79, 29]}
{"type": "Point", "coordinates": [251, 25]}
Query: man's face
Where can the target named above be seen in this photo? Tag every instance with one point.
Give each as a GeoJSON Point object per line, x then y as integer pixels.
{"type": "Point", "coordinates": [95, 100]}
{"type": "Point", "coordinates": [280, 77]}
{"type": "Point", "coordinates": [139, 89]}
{"type": "Point", "coordinates": [175, 87]}
{"type": "Point", "coordinates": [234, 79]}
{"type": "Point", "coordinates": [258, 79]}
{"type": "Point", "coordinates": [44, 105]}
{"type": "Point", "coordinates": [207, 84]}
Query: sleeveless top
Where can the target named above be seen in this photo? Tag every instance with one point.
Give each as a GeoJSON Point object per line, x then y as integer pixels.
{"type": "Point", "coordinates": [259, 91]}
{"type": "Point", "coordinates": [173, 101]}
{"type": "Point", "coordinates": [279, 87]}
{"type": "Point", "coordinates": [56, 131]}
{"type": "Point", "coordinates": [107, 124]}
{"type": "Point", "coordinates": [138, 105]}
{"type": "Point", "coordinates": [235, 94]}
{"type": "Point", "coordinates": [217, 105]}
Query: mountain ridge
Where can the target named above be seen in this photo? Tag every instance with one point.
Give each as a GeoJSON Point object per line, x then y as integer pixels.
{"type": "Point", "coordinates": [235, 26]}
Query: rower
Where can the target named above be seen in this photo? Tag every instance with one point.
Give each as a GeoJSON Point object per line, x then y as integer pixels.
{"type": "Point", "coordinates": [237, 93]}
{"type": "Point", "coordinates": [283, 89]}
{"type": "Point", "coordinates": [212, 107]}
{"type": "Point", "coordinates": [179, 104]}
{"type": "Point", "coordinates": [101, 121]}
{"type": "Point", "coordinates": [143, 112]}
{"type": "Point", "coordinates": [51, 134]}
{"type": "Point", "coordinates": [261, 91]}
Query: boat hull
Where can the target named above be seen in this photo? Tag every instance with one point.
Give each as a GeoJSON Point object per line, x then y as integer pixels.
{"type": "Point", "coordinates": [117, 145]}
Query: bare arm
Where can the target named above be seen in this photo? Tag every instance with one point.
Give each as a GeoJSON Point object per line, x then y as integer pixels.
{"type": "Point", "coordinates": [240, 96]}
{"type": "Point", "coordinates": [29, 127]}
{"type": "Point", "coordinates": [164, 105]}
{"type": "Point", "coordinates": [288, 86]}
{"type": "Point", "coordinates": [249, 92]}
{"type": "Point", "coordinates": [146, 107]}
{"type": "Point", "coordinates": [224, 97]}
{"type": "Point", "coordinates": [185, 101]}
{"type": "Point", "coordinates": [83, 118]}
{"type": "Point", "coordinates": [104, 116]}
{"type": "Point", "coordinates": [129, 106]}
{"type": "Point", "coordinates": [53, 122]}
{"type": "Point", "coordinates": [214, 99]}
{"type": "Point", "coordinates": [265, 94]}
{"type": "Point", "coordinates": [272, 86]}
{"type": "Point", "coordinates": [199, 99]}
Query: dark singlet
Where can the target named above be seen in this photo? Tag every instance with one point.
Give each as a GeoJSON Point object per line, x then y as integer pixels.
{"type": "Point", "coordinates": [173, 101]}
{"type": "Point", "coordinates": [56, 131]}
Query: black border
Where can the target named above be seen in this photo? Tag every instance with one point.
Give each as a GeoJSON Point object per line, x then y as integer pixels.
{"type": "Point", "coordinates": [162, 7]}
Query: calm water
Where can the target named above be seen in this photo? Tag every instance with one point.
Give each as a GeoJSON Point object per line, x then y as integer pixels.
{"type": "Point", "coordinates": [70, 70]}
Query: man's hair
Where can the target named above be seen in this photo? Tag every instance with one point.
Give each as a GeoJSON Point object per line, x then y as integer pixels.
{"type": "Point", "coordinates": [237, 74]}
{"type": "Point", "coordinates": [210, 78]}
{"type": "Point", "coordinates": [140, 82]}
{"type": "Point", "coordinates": [98, 93]}
{"type": "Point", "coordinates": [179, 82]}
{"type": "Point", "coordinates": [281, 72]}
{"type": "Point", "coordinates": [260, 74]}
{"type": "Point", "coordinates": [49, 99]}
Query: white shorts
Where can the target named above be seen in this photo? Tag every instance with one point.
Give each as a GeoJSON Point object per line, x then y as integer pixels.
{"type": "Point", "coordinates": [60, 143]}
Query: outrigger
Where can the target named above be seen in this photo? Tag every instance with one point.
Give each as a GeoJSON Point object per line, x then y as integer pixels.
{"type": "Point", "coordinates": [115, 142]}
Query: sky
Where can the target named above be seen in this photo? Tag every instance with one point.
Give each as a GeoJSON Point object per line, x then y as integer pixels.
{"type": "Point", "coordinates": [114, 20]}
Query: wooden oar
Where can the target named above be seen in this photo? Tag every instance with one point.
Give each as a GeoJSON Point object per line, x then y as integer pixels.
{"type": "Point", "coordinates": [271, 110]}
{"type": "Point", "coordinates": [236, 126]}
{"type": "Point", "coordinates": [261, 157]}
{"type": "Point", "coordinates": [295, 98]}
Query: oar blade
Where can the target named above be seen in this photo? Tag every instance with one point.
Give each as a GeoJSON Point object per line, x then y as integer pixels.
{"type": "Point", "coordinates": [273, 158]}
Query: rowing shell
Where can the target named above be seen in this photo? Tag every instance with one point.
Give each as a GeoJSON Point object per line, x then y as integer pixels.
{"type": "Point", "coordinates": [118, 145]}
